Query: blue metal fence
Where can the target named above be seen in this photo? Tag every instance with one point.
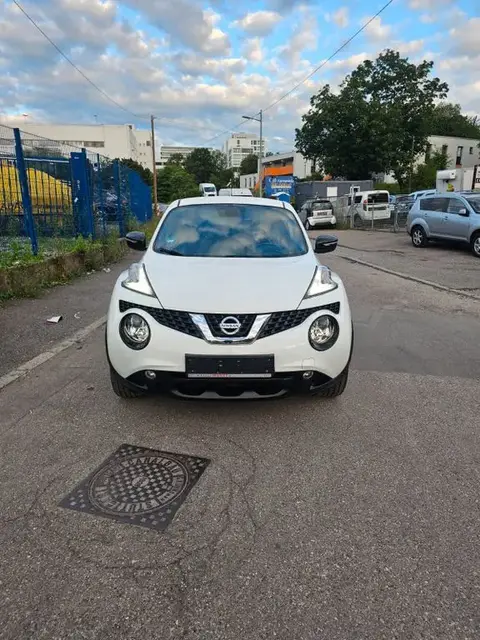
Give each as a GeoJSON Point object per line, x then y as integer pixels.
{"type": "Point", "coordinates": [49, 189]}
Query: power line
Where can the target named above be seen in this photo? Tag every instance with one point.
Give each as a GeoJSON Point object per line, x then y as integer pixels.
{"type": "Point", "coordinates": [164, 120]}
{"type": "Point", "coordinates": [320, 66]}
{"type": "Point", "coordinates": [70, 62]}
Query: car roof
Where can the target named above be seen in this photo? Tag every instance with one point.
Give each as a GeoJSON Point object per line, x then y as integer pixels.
{"type": "Point", "coordinates": [265, 202]}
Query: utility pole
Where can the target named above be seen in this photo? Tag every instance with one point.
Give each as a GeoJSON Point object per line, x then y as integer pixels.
{"type": "Point", "coordinates": [154, 167]}
{"type": "Point", "coordinates": [260, 154]}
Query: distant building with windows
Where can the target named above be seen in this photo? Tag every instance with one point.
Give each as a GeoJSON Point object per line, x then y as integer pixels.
{"type": "Point", "coordinates": [462, 153]}
{"type": "Point", "coordinates": [166, 153]}
{"type": "Point", "coordinates": [111, 140]}
{"type": "Point", "coordinates": [241, 145]}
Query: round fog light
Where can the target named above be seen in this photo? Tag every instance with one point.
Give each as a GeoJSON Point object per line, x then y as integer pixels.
{"type": "Point", "coordinates": [323, 332]}
{"type": "Point", "coordinates": [134, 331]}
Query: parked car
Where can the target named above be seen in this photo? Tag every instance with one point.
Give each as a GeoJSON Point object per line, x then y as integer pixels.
{"type": "Point", "coordinates": [420, 194]}
{"type": "Point", "coordinates": [229, 299]}
{"type": "Point", "coordinates": [246, 193]}
{"type": "Point", "coordinates": [371, 204]}
{"type": "Point", "coordinates": [451, 216]}
{"type": "Point", "coordinates": [317, 212]}
{"type": "Point", "coordinates": [207, 189]}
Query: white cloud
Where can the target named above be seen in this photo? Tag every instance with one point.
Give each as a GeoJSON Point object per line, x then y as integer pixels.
{"type": "Point", "coordinates": [252, 50]}
{"type": "Point", "coordinates": [466, 38]}
{"type": "Point", "coordinates": [303, 37]}
{"type": "Point", "coordinates": [259, 23]}
{"type": "Point", "coordinates": [339, 17]}
{"type": "Point", "coordinates": [185, 22]}
{"type": "Point", "coordinates": [376, 30]}
{"type": "Point", "coordinates": [423, 5]}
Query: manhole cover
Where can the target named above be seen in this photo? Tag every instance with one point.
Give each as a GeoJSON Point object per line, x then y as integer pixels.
{"type": "Point", "coordinates": [138, 486]}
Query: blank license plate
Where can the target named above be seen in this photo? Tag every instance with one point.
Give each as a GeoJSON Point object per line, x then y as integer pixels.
{"type": "Point", "coordinates": [229, 366]}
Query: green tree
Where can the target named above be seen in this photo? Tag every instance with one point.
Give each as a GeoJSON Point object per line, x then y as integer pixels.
{"type": "Point", "coordinates": [176, 158]}
{"type": "Point", "coordinates": [144, 173]}
{"type": "Point", "coordinates": [424, 175]}
{"type": "Point", "coordinates": [249, 164]}
{"type": "Point", "coordinates": [378, 121]}
{"type": "Point", "coordinates": [201, 163]}
{"type": "Point", "coordinates": [174, 182]}
{"type": "Point", "coordinates": [448, 120]}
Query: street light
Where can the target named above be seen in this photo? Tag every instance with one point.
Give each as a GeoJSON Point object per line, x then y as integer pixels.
{"type": "Point", "coordinates": [260, 155]}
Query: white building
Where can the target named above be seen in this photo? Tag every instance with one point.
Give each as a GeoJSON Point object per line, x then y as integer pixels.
{"type": "Point", "coordinates": [462, 153]}
{"type": "Point", "coordinates": [241, 145]}
{"type": "Point", "coordinates": [110, 140]}
{"type": "Point", "coordinates": [167, 152]}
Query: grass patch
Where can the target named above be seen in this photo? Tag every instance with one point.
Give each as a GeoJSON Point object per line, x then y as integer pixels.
{"type": "Point", "coordinates": [58, 261]}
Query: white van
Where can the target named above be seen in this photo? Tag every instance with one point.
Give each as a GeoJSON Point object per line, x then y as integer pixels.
{"type": "Point", "coordinates": [207, 189]}
{"type": "Point", "coordinates": [371, 204]}
{"type": "Point", "coordinates": [246, 193]}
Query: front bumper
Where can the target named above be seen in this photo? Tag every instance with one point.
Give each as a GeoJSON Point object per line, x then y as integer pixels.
{"type": "Point", "coordinates": [298, 367]}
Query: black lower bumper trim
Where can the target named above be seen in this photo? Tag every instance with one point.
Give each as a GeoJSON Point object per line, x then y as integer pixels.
{"type": "Point", "coordinates": [278, 384]}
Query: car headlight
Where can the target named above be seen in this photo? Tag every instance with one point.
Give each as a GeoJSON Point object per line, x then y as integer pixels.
{"type": "Point", "coordinates": [323, 332]}
{"type": "Point", "coordinates": [322, 282]}
{"type": "Point", "coordinates": [137, 280]}
{"type": "Point", "coordinates": [134, 331]}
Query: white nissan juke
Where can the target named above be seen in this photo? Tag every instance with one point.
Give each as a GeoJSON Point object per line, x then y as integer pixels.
{"type": "Point", "coordinates": [229, 301]}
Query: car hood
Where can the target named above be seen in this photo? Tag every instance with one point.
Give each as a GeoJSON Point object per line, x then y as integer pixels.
{"type": "Point", "coordinates": [229, 285]}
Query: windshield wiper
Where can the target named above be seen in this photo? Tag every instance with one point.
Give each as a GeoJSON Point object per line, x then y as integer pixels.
{"type": "Point", "coordinates": [169, 252]}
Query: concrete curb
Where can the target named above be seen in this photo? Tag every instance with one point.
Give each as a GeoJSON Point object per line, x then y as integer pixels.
{"type": "Point", "coordinates": [32, 364]}
{"type": "Point", "coordinates": [405, 276]}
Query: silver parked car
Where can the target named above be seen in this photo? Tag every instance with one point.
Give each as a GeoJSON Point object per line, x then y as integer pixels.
{"type": "Point", "coordinates": [449, 216]}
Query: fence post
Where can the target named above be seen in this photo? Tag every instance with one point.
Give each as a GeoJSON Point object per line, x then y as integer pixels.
{"type": "Point", "coordinates": [24, 188]}
{"type": "Point", "coordinates": [80, 195]}
{"type": "Point", "coordinates": [116, 177]}
{"type": "Point", "coordinates": [101, 199]}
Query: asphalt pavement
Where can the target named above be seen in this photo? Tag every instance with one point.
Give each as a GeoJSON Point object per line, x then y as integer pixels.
{"type": "Point", "coordinates": [354, 518]}
{"type": "Point", "coordinates": [447, 264]}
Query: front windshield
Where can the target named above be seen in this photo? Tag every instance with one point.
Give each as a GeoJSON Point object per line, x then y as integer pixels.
{"type": "Point", "coordinates": [231, 231]}
{"type": "Point", "coordinates": [474, 202]}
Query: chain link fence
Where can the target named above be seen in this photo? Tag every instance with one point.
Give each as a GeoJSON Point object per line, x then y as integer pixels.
{"type": "Point", "coordinates": [359, 213]}
{"type": "Point", "coordinates": [49, 189]}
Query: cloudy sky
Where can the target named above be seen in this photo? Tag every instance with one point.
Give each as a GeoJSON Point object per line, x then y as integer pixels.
{"type": "Point", "coordinates": [199, 65]}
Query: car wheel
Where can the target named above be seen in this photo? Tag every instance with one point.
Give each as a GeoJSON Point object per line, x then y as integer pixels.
{"type": "Point", "coordinates": [419, 237]}
{"type": "Point", "coordinates": [357, 221]}
{"type": "Point", "coordinates": [308, 226]}
{"type": "Point", "coordinates": [337, 388]}
{"type": "Point", "coordinates": [475, 244]}
{"type": "Point", "coordinates": [121, 389]}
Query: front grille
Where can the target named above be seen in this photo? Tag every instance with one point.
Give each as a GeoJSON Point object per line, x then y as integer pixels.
{"type": "Point", "coordinates": [177, 320]}
{"type": "Point", "coordinates": [284, 320]}
{"type": "Point", "coordinates": [181, 321]}
{"type": "Point", "coordinates": [246, 320]}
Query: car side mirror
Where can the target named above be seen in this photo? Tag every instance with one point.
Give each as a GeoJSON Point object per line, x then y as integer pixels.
{"type": "Point", "coordinates": [325, 244]}
{"type": "Point", "coordinates": [136, 240]}
{"type": "Point", "coordinates": [462, 212]}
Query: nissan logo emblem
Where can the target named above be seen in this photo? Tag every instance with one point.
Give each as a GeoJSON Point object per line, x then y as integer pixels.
{"type": "Point", "coordinates": [230, 325]}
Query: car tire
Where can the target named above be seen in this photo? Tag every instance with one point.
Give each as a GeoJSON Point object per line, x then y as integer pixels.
{"type": "Point", "coordinates": [475, 244]}
{"type": "Point", "coordinates": [419, 237]}
{"type": "Point", "coordinates": [308, 226]}
{"type": "Point", "coordinates": [357, 221]}
{"type": "Point", "coordinates": [121, 389]}
{"type": "Point", "coordinates": [337, 388]}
